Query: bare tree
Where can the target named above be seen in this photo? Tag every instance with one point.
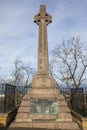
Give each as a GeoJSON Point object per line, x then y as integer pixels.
{"type": "Point", "coordinates": [70, 61]}
{"type": "Point", "coordinates": [22, 74]}
{"type": "Point", "coordinates": [2, 78]}
{"type": "Point", "coordinates": [28, 72]}
{"type": "Point", "coordinates": [17, 73]}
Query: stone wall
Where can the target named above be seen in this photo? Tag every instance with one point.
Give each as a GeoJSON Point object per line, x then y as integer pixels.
{"type": "Point", "coordinates": [82, 121]}
{"type": "Point", "coordinates": [6, 118]}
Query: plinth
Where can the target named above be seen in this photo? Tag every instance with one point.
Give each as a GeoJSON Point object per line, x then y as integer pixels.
{"type": "Point", "coordinates": [44, 107]}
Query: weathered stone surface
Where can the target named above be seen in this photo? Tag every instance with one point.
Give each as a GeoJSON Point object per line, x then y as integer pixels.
{"type": "Point", "coordinates": [26, 97]}
{"type": "Point", "coordinates": [68, 126]}
{"type": "Point", "coordinates": [25, 103]}
{"type": "Point", "coordinates": [43, 19]}
{"type": "Point", "coordinates": [21, 124]}
{"type": "Point", "coordinates": [43, 81]}
{"type": "Point", "coordinates": [49, 125]}
{"type": "Point", "coordinates": [24, 109]}
{"type": "Point", "coordinates": [43, 117]}
{"type": "Point", "coordinates": [63, 109]}
{"type": "Point", "coordinates": [21, 116]}
{"type": "Point", "coordinates": [41, 96]}
{"type": "Point", "coordinates": [64, 116]}
{"type": "Point", "coordinates": [62, 103]}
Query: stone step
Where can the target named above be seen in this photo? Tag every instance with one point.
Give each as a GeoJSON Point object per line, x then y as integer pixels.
{"type": "Point", "coordinates": [68, 126]}
{"type": "Point", "coordinates": [49, 125]}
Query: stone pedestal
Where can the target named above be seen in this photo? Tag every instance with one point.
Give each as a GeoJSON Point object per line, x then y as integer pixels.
{"type": "Point", "coordinates": [43, 81]}
{"type": "Point", "coordinates": [44, 107]}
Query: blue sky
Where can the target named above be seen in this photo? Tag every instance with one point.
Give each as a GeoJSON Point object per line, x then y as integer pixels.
{"type": "Point", "coordinates": [19, 34]}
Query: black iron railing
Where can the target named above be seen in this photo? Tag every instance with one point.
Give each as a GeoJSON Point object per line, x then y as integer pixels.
{"type": "Point", "coordinates": [11, 96]}
{"type": "Point", "coordinates": [9, 101]}
{"type": "Point", "coordinates": [7, 97]}
{"type": "Point", "coordinates": [76, 99]}
{"type": "Point", "coordinates": [2, 97]}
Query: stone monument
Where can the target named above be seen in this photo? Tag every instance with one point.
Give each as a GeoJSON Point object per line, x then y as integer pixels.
{"type": "Point", "coordinates": [44, 106]}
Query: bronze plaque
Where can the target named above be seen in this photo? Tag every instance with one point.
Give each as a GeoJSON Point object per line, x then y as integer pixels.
{"type": "Point", "coordinates": [43, 106]}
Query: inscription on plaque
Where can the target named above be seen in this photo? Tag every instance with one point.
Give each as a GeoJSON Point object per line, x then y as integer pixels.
{"type": "Point", "coordinates": [43, 106]}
